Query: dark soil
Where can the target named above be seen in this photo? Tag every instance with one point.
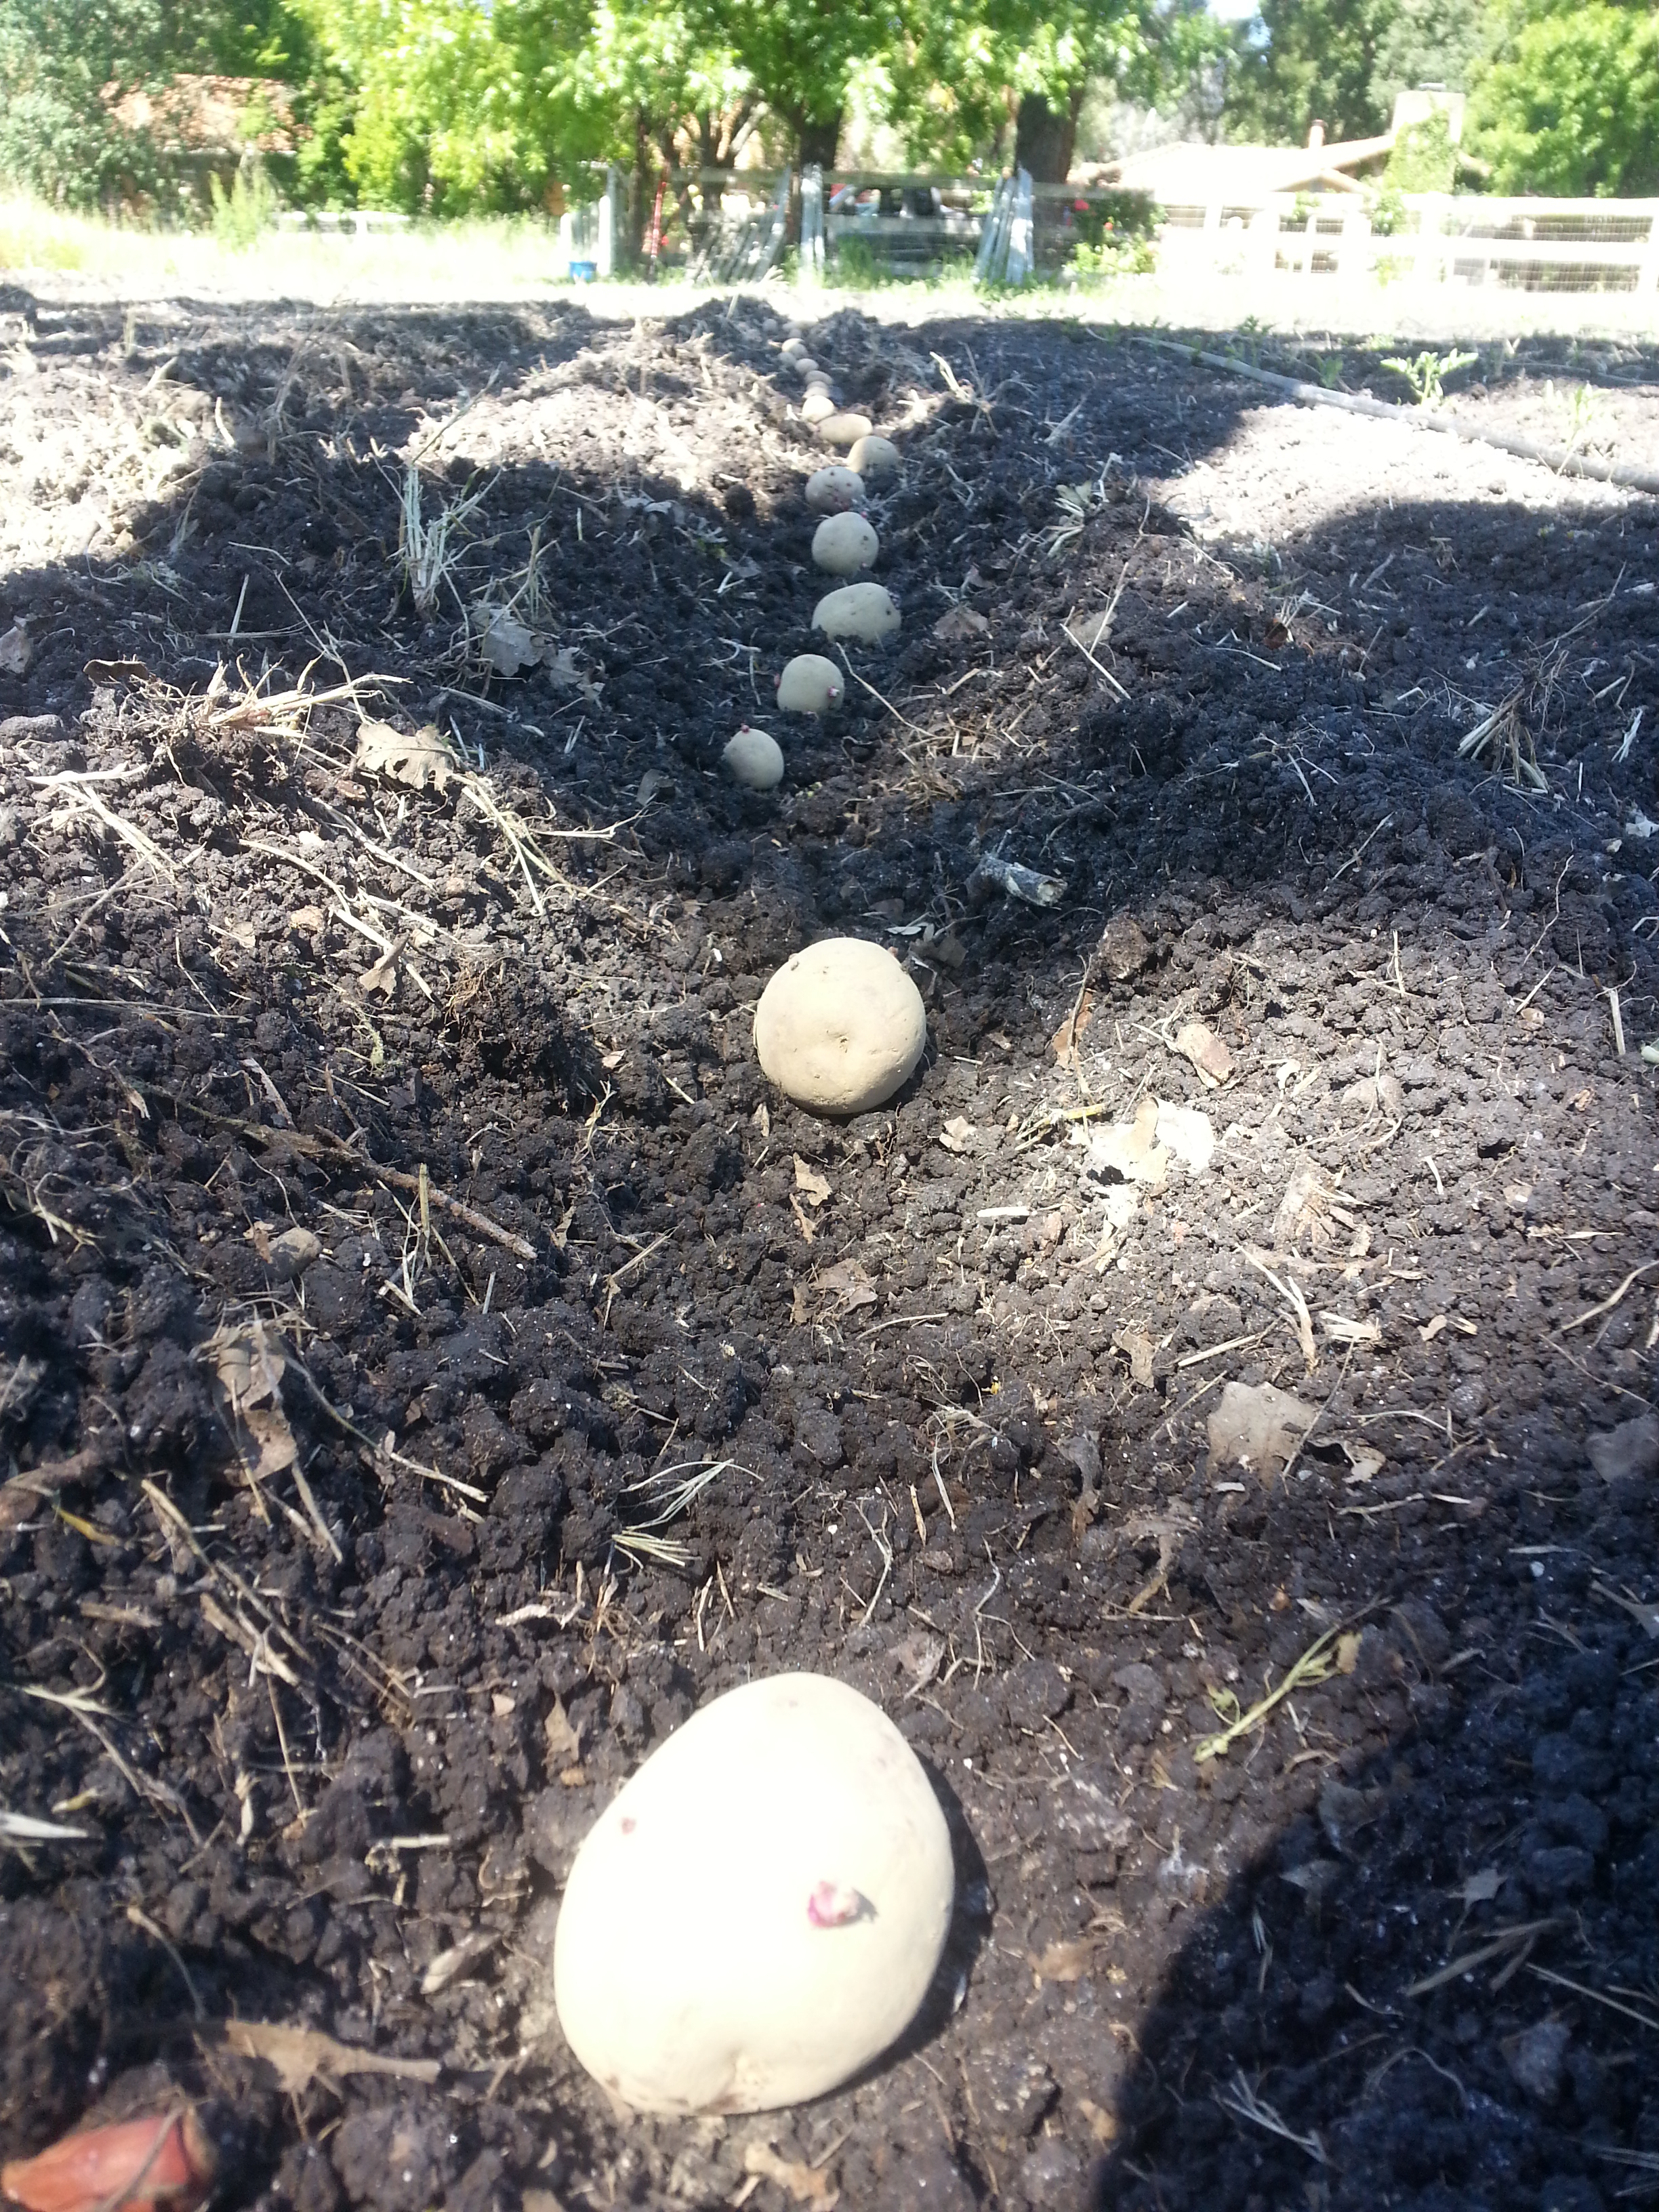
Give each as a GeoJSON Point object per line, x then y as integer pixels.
{"type": "Point", "coordinates": [337, 1594]}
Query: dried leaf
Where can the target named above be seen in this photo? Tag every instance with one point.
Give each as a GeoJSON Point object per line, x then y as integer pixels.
{"type": "Point", "coordinates": [805, 2184]}
{"type": "Point", "coordinates": [1258, 1427]}
{"type": "Point", "coordinates": [1306, 1203]}
{"type": "Point", "coordinates": [249, 1368]}
{"type": "Point", "coordinates": [1342, 1330]}
{"type": "Point", "coordinates": [1347, 1651]}
{"type": "Point", "coordinates": [1480, 1888]}
{"type": "Point", "coordinates": [457, 1960]}
{"type": "Point", "coordinates": [563, 1739]}
{"type": "Point", "coordinates": [565, 676]}
{"type": "Point", "coordinates": [812, 1186]}
{"type": "Point", "coordinates": [1189, 1135]}
{"type": "Point", "coordinates": [960, 626]}
{"type": "Point", "coordinates": [957, 1134]}
{"type": "Point", "coordinates": [383, 975]}
{"type": "Point", "coordinates": [276, 1449]}
{"type": "Point", "coordinates": [1064, 1962]}
{"type": "Point", "coordinates": [301, 2055]}
{"type": "Point", "coordinates": [1137, 1348]}
{"type": "Point", "coordinates": [16, 651]}
{"type": "Point", "coordinates": [1129, 1151]}
{"type": "Point", "coordinates": [1207, 1054]}
{"type": "Point", "coordinates": [419, 760]}
{"type": "Point", "coordinates": [849, 1282]}
{"type": "Point", "coordinates": [1065, 1039]}
{"type": "Point", "coordinates": [506, 643]}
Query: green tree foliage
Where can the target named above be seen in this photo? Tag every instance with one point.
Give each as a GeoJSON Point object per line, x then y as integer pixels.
{"type": "Point", "coordinates": [800, 56]}
{"type": "Point", "coordinates": [1305, 61]}
{"type": "Point", "coordinates": [1341, 63]}
{"type": "Point", "coordinates": [64, 63]}
{"type": "Point", "coordinates": [57, 137]}
{"type": "Point", "coordinates": [1570, 105]}
{"type": "Point", "coordinates": [959, 75]}
{"type": "Point", "coordinates": [454, 105]}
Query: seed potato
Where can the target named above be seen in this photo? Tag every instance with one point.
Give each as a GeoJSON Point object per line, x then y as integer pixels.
{"type": "Point", "coordinates": [834, 490]}
{"type": "Point", "coordinates": [758, 1914]}
{"type": "Point", "coordinates": [810, 684]}
{"type": "Point", "coordinates": [844, 544]}
{"type": "Point", "coordinates": [843, 429]}
{"type": "Point", "coordinates": [874, 457]}
{"type": "Point", "coordinates": [755, 759]}
{"type": "Point", "coordinates": [840, 1027]}
{"type": "Point", "coordinates": [866, 611]}
{"type": "Point", "coordinates": [817, 407]}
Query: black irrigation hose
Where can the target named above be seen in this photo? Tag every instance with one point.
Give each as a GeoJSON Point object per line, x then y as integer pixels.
{"type": "Point", "coordinates": [1557, 459]}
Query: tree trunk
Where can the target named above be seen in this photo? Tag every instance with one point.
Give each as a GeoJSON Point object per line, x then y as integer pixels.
{"type": "Point", "coordinates": [643, 189]}
{"type": "Point", "coordinates": [1044, 138]}
{"type": "Point", "coordinates": [817, 140]}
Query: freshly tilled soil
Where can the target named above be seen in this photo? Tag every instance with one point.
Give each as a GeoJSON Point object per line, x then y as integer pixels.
{"type": "Point", "coordinates": [395, 1215]}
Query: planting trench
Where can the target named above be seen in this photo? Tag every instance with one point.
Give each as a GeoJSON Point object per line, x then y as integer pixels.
{"type": "Point", "coordinates": [392, 1200]}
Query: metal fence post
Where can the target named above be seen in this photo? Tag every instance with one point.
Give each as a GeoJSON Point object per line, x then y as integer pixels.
{"type": "Point", "coordinates": [1022, 242]}
{"type": "Point", "coordinates": [611, 221]}
{"type": "Point", "coordinates": [810, 268]}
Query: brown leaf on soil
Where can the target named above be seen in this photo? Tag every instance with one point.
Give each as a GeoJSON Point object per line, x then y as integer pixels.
{"type": "Point", "coordinates": [419, 760]}
{"type": "Point", "coordinates": [1305, 1204]}
{"type": "Point", "coordinates": [1129, 1151]}
{"type": "Point", "coordinates": [564, 1742]}
{"type": "Point", "coordinates": [804, 2182]}
{"type": "Point", "coordinates": [1207, 1054]}
{"type": "Point", "coordinates": [301, 2055]}
{"type": "Point", "coordinates": [1258, 1427]}
{"type": "Point", "coordinates": [849, 1282]}
{"type": "Point", "coordinates": [1137, 1348]}
{"type": "Point", "coordinates": [813, 1186]}
{"type": "Point", "coordinates": [960, 626]}
{"type": "Point", "coordinates": [1065, 1039]}
{"type": "Point", "coordinates": [1064, 1962]}
{"type": "Point", "coordinates": [16, 651]}
{"type": "Point", "coordinates": [383, 975]}
{"type": "Point", "coordinates": [275, 1447]}
{"type": "Point", "coordinates": [507, 644]}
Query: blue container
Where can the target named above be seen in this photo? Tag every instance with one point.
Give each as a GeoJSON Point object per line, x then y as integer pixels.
{"type": "Point", "coordinates": [583, 272]}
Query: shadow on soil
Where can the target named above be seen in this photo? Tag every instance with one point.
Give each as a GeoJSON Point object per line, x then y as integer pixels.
{"type": "Point", "coordinates": [1278, 805]}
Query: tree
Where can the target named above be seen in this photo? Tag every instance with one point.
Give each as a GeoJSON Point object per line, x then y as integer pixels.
{"type": "Point", "coordinates": [1570, 104]}
{"type": "Point", "coordinates": [959, 74]}
{"type": "Point", "coordinates": [454, 106]}
{"type": "Point", "coordinates": [1307, 61]}
{"type": "Point", "coordinates": [800, 58]}
{"type": "Point", "coordinates": [62, 63]}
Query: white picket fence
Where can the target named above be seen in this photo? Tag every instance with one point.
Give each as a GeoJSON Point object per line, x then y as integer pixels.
{"type": "Point", "coordinates": [1533, 244]}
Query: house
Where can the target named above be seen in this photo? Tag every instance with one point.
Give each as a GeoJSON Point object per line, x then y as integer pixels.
{"type": "Point", "coordinates": [1191, 175]}
{"type": "Point", "coordinates": [212, 121]}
